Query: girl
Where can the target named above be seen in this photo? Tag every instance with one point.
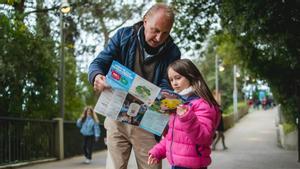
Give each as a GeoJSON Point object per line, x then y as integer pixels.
{"type": "Point", "coordinates": [89, 128]}
{"type": "Point", "coordinates": [192, 126]}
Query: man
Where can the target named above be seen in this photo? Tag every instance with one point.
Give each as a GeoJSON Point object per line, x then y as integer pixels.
{"type": "Point", "coordinates": [147, 49]}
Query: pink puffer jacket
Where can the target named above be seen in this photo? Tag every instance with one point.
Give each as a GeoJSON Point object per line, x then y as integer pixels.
{"type": "Point", "coordinates": [189, 137]}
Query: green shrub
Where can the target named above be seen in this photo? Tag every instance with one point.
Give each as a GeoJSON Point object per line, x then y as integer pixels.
{"type": "Point", "coordinates": [229, 110]}
{"type": "Point", "coordinates": [242, 105]}
{"type": "Point", "coordinates": [288, 127]}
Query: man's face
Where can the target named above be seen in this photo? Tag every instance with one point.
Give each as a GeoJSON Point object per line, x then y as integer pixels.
{"type": "Point", "coordinates": [157, 28]}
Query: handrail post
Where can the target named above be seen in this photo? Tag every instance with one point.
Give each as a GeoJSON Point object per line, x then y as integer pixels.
{"type": "Point", "coordinates": [59, 138]}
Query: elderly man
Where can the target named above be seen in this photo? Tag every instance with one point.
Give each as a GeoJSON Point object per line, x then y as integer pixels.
{"type": "Point", "coordinates": [147, 49]}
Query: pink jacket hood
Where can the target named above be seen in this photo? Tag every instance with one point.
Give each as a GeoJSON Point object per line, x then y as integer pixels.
{"type": "Point", "coordinates": [187, 142]}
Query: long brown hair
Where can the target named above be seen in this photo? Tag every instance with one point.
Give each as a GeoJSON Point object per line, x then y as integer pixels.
{"type": "Point", "coordinates": [94, 115]}
{"type": "Point", "coordinates": [186, 68]}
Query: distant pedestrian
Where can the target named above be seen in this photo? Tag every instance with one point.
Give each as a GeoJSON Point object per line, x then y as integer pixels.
{"type": "Point", "coordinates": [220, 135]}
{"type": "Point", "coordinates": [192, 125]}
{"type": "Point", "coordinates": [89, 128]}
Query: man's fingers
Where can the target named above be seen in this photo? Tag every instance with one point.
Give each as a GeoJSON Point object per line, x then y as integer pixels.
{"type": "Point", "coordinates": [99, 83]}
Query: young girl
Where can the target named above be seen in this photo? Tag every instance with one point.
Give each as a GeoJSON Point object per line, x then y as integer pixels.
{"type": "Point", "coordinates": [89, 128]}
{"type": "Point", "coordinates": [191, 128]}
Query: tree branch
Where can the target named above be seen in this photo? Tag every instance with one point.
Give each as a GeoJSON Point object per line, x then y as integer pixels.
{"type": "Point", "coordinates": [45, 10]}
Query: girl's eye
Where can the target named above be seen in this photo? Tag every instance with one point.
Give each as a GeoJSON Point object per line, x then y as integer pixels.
{"type": "Point", "coordinates": [177, 77]}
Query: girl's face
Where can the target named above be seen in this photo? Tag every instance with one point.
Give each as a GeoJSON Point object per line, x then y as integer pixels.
{"type": "Point", "coordinates": [178, 81]}
{"type": "Point", "coordinates": [89, 112]}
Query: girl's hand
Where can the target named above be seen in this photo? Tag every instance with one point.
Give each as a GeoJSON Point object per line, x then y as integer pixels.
{"type": "Point", "coordinates": [181, 110]}
{"type": "Point", "coordinates": [82, 116]}
{"type": "Point", "coordinates": [152, 160]}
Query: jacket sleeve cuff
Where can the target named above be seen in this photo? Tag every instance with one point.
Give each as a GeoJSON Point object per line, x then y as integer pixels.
{"type": "Point", "coordinates": [154, 154]}
{"type": "Point", "coordinates": [93, 75]}
{"type": "Point", "coordinates": [78, 123]}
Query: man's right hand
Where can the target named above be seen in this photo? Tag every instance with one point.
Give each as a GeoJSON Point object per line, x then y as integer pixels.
{"type": "Point", "coordinates": [100, 83]}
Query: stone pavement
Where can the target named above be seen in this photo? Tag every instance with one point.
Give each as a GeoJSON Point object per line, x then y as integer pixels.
{"type": "Point", "coordinates": [251, 145]}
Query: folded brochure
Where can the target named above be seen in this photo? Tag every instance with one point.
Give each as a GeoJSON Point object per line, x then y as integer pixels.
{"type": "Point", "coordinates": [136, 101]}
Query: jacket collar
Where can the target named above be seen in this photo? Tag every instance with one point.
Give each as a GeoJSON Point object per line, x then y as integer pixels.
{"type": "Point", "coordinates": [147, 51]}
{"type": "Point", "coordinates": [191, 98]}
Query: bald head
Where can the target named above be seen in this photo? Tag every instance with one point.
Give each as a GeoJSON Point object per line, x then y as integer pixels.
{"type": "Point", "coordinates": [167, 11]}
{"type": "Point", "coordinates": [158, 22]}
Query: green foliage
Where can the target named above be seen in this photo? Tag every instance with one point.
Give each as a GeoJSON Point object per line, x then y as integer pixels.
{"type": "Point", "coordinates": [194, 20]}
{"type": "Point", "coordinates": [29, 58]}
{"type": "Point", "coordinates": [288, 127]}
{"type": "Point", "coordinates": [262, 37]}
{"type": "Point", "coordinates": [240, 106]}
{"type": "Point", "coordinates": [28, 69]}
{"type": "Point", "coordinates": [225, 78]}
{"type": "Point", "coordinates": [73, 95]}
{"type": "Point", "coordinates": [228, 110]}
{"type": "Point", "coordinates": [266, 33]}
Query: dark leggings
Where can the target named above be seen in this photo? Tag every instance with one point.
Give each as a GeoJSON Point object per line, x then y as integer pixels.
{"type": "Point", "coordinates": [88, 142]}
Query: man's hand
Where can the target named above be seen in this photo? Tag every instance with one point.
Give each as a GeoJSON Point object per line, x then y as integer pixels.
{"type": "Point", "coordinates": [100, 83]}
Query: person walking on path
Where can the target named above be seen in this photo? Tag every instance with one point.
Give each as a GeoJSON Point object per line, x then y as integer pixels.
{"type": "Point", "coordinates": [146, 48]}
{"type": "Point", "coordinates": [89, 128]}
{"type": "Point", "coordinates": [192, 127]}
{"type": "Point", "coordinates": [220, 135]}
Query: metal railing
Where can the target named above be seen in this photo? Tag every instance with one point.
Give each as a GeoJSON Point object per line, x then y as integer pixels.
{"type": "Point", "coordinates": [73, 140]}
{"type": "Point", "coordinates": [25, 140]}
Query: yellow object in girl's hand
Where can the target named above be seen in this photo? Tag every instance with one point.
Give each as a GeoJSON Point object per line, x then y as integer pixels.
{"type": "Point", "coordinates": [169, 104]}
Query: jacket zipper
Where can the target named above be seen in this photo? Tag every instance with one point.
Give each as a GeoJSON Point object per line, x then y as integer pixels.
{"type": "Point", "coordinates": [171, 145]}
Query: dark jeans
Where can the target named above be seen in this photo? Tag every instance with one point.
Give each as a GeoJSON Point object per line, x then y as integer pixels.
{"type": "Point", "coordinates": [88, 142]}
{"type": "Point", "coordinates": [177, 167]}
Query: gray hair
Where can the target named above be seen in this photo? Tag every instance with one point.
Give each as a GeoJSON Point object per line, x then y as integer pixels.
{"type": "Point", "coordinates": [161, 6]}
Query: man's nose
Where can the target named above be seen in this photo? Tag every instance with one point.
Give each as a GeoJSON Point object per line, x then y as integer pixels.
{"type": "Point", "coordinates": [158, 37]}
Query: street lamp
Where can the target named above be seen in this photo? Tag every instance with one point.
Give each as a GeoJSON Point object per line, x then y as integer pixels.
{"type": "Point", "coordinates": [64, 8]}
{"type": "Point", "coordinates": [221, 68]}
{"type": "Point", "coordinates": [217, 75]}
{"type": "Point", "coordinates": [218, 67]}
{"type": "Point", "coordinates": [235, 92]}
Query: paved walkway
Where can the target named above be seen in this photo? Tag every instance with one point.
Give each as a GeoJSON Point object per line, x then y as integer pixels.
{"type": "Point", "coordinates": [98, 162]}
{"type": "Point", "coordinates": [251, 145]}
